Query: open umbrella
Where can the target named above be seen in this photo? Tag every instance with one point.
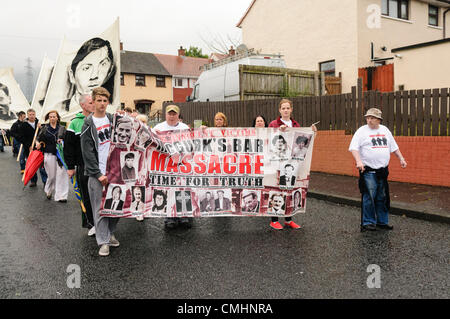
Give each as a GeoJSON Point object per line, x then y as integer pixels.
{"type": "Point", "coordinates": [34, 161]}
{"type": "Point", "coordinates": [76, 188]}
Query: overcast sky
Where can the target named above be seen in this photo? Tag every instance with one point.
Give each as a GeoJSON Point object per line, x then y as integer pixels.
{"type": "Point", "coordinates": [35, 28]}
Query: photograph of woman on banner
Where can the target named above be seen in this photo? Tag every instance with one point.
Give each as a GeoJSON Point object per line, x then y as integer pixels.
{"type": "Point", "coordinates": [300, 147]}
{"type": "Point", "coordinates": [123, 130]}
{"type": "Point", "coordinates": [159, 201]}
{"type": "Point", "coordinates": [250, 201]}
{"type": "Point", "coordinates": [279, 148]}
{"type": "Point", "coordinates": [5, 101]}
{"type": "Point", "coordinates": [92, 67]}
{"type": "Point", "coordinates": [297, 196]}
{"type": "Point", "coordinates": [138, 199]}
{"type": "Point", "coordinates": [129, 163]}
{"type": "Point", "coordinates": [114, 200]}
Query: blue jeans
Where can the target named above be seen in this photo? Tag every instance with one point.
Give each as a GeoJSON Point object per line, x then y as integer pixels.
{"type": "Point", "coordinates": [374, 209]}
{"type": "Point", "coordinates": [16, 146]}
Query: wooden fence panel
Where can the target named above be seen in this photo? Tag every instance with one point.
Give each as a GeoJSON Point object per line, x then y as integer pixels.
{"type": "Point", "coordinates": [405, 113]}
{"type": "Point", "coordinates": [413, 113]}
{"type": "Point", "coordinates": [427, 113]}
{"type": "Point", "coordinates": [444, 113]}
{"type": "Point", "coordinates": [420, 118]}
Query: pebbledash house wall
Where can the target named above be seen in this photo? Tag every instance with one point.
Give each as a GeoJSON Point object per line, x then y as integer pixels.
{"type": "Point", "coordinates": [427, 158]}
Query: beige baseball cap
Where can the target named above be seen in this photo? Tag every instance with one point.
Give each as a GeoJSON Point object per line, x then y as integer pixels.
{"type": "Point", "coordinates": [173, 108]}
{"type": "Point", "coordinates": [374, 112]}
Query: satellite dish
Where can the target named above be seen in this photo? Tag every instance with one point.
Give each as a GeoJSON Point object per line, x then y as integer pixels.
{"type": "Point", "coordinates": [242, 48]}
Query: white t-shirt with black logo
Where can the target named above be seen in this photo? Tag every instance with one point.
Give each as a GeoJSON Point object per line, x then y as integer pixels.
{"type": "Point", "coordinates": [374, 145]}
{"type": "Point", "coordinates": [103, 126]}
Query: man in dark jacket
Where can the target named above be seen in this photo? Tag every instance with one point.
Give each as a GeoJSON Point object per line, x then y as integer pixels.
{"type": "Point", "coordinates": [27, 130]}
{"type": "Point", "coordinates": [74, 159]}
{"type": "Point", "coordinates": [15, 134]}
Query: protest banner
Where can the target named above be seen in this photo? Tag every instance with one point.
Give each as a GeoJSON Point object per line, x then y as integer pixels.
{"type": "Point", "coordinates": [80, 69]}
{"type": "Point", "coordinates": [206, 172]}
{"type": "Point", "coordinates": [12, 99]}
{"type": "Point", "coordinates": [42, 86]}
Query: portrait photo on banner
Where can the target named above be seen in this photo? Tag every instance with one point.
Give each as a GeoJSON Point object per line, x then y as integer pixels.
{"type": "Point", "coordinates": [82, 67]}
{"type": "Point", "coordinates": [137, 199]}
{"type": "Point", "coordinates": [159, 202]}
{"type": "Point", "coordinates": [12, 99]}
{"type": "Point", "coordinates": [129, 163]}
{"type": "Point", "coordinates": [124, 132]}
{"type": "Point", "coordinates": [115, 197]}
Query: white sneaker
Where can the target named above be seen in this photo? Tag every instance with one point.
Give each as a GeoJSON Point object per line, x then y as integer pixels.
{"type": "Point", "coordinates": [104, 250]}
{"type": "Point", "coordinates": [91, 232]}
{"type": "Point", "coordinates": [113, 242]}
{"type": "Point", "coordinates": [140, 218]}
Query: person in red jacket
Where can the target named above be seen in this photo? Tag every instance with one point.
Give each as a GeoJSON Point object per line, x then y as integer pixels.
{"type": "Point", "coordinates": [284, 121]}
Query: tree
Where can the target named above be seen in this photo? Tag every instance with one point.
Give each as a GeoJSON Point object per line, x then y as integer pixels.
{"type": "Point", "coordinates": [195, 53]}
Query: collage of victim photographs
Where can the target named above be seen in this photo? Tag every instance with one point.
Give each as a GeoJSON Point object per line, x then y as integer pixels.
{"type": "Point", "coordinates": [130, 195]}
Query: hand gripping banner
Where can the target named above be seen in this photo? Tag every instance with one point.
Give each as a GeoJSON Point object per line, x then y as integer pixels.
{"type": "Point", "coordinates": [206, 172]}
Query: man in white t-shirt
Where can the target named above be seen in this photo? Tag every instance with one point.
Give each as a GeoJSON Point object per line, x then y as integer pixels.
{"type": "Point", "coordinates": [371, 147]}
{"type": "Point", "coordinates": [173, 123]}
{"type": "Point", "coordinates": [95, 142]}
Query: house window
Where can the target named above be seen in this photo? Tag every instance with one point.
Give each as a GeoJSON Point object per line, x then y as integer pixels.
{"type": "Point", "coordinates": [160, 82]}
{"type": "Point", "coordinates": [395, 8]}
{"type": "Point", "coordinates": [328, 67]}
{"type": "Point", "coordinates": [122, 106]}
{"type": "Point", "coordinates": [140, 80]}
{"type": "Point", "coordinates": [179, 82]}
{"type": "Point", "coordinates": [433, 14]}
{"type": "Point", "coordinates": [122, 81]}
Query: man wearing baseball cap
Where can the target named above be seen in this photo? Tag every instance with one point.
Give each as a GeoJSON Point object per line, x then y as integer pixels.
{"type": "Point", "coordinates": [371, 147]}
{"type": "Point", "coordinates": [173, 123]}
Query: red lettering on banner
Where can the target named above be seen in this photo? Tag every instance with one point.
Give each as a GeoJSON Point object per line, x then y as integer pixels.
{"type": "Point", "coordinates": [244, 164]}
{"type": "Point", "coordinates": [172, 167]}
{"type": "Point", "coordinates": [259, 162]}
{"type": "Point", "coordinates": [186, 166]}
{"type": "Point", "coordinates": [158, 161]}
{"type": "Point", "coordinates": [199, 161]}
{"type": "Point", "coordinates": [214, 165]}
{"type": "Point", "coordinates": [226, 165]}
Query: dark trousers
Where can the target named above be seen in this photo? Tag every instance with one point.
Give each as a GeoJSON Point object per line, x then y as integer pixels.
{"type": "Point", "coordinates": [87, 219]}
{"type": "Point", "coordinates": [275, 219]}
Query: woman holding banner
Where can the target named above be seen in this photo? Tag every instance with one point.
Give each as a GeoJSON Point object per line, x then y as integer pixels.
{"type": "Point", "coordinates": [50, 135]}
{"type": "Point", "coordinates": [284, 121]}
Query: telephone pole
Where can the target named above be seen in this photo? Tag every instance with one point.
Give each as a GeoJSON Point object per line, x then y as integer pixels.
{"type": "Point", "coordinates": [29, 75]}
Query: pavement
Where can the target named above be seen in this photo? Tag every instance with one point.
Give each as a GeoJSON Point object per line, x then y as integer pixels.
{"type": "Point", "coordinates": [424, 202]}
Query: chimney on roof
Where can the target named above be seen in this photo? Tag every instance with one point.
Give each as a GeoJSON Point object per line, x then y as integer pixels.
{"type": "Point", "coordinates": [121, 46]}
{"type": "Point", "coordinates": [181, 51]}
{"type": "Point", "coordinates": [232, 51]}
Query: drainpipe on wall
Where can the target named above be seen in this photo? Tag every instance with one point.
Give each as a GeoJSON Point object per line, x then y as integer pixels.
{"type": "Point", "coordinates": [445, 12]}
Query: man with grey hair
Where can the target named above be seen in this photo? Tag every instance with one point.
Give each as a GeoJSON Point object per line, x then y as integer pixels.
{"type": "Point", "coordinates": [74, 159]}
{"type": "Point", "coordinates": [371, 147]}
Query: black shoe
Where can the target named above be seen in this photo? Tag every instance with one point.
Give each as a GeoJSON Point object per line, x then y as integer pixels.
{"type": "Point", "coordinates": [387, 227]}
{"type": "Point", "coordinates": [49, 196]}
{"type": "Point", "coordinates": [369, 227]}
{"type": "Point", "coordinates": [32, 184]}
{"type": "Point", "coordinates": [63, 201]}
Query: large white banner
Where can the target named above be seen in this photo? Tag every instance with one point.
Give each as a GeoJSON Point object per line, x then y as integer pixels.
{"type": "Point", "coordinates": [206, 172]}
{"type": "Point", "coordinates": [80, 69]}
{"type": "Point", "coordinates": [12, 99]}
{"type": "Point", "coordinates": [42, 85]}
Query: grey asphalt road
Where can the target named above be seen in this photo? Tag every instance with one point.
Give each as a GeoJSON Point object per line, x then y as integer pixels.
{"type": "Point", "coordinates": [223, 258]}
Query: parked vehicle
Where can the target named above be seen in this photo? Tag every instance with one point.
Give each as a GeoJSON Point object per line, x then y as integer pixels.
{"type": "Point", "coordinates": [249, 76]}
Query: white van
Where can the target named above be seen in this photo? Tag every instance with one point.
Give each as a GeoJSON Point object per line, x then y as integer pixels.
{"type": "Point", "coordinates": [220, 80]}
